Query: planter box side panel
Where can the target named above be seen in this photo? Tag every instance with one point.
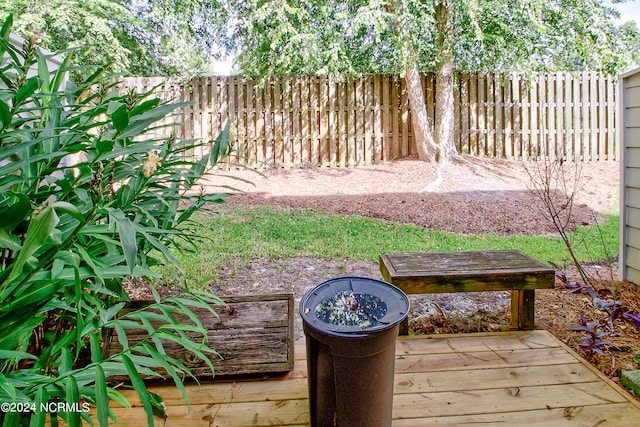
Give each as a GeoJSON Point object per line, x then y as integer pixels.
{"type": "Point", "coordinates": [252, 335]}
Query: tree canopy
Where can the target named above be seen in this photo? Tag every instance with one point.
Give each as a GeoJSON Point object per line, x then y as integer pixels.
{"type": "Point", "coordinates": [140, 37]}
{"type": "Point", "coordinates": [371, 36]}
{"type": "Point", "coordinates": [410, 36]}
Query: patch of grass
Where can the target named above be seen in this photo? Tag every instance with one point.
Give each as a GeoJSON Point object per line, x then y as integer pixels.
{"type": "Point", "coordinates": [237, 234]}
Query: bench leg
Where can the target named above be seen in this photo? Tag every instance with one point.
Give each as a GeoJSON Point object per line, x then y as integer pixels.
{"type": "Point", "coordinates": [404, 326]}
{"type": "Point", "coordinates": [523, 309]}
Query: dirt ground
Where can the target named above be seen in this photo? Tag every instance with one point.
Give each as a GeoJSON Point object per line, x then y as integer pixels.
{"type": "Point", "coordinates": [475, 196]}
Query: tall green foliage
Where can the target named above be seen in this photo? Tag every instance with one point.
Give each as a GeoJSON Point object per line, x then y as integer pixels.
{"type": "Point", "coordinates": [381, 36]}
{"type": "Point", "coordinates": [71, 234]}
{"type": "Point", "coordinates": [142, 37]}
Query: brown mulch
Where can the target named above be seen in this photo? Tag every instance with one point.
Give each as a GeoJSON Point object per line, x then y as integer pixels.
{"type": "Point", "coordinates": [476, 196]}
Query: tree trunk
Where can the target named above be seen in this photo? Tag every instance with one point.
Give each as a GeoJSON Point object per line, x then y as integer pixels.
{"type": "Point", "coordinates": [445, 120]}
{"type": "Point", "coordinates": [423, 136]}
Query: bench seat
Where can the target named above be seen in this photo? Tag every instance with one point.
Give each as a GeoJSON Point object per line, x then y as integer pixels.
{"type": "Point", "coordinates": [472, 271]}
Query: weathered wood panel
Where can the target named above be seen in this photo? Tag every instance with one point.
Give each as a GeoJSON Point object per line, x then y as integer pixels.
{"type": "Point", "coordinates": [252, 334]}
{"type": "Point", "coordinates": [465, 271]}
{"type": "Point", "coordinates": [471, 271]}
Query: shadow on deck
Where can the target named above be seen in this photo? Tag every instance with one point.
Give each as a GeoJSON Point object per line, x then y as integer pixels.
{"type": "Point", "coordinates": [510, 378]}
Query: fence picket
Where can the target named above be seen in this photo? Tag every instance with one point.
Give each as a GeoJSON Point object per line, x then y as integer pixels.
{"type": "Point", "coordinates": [577, 134]}
{"type": "Point", "coordinates": [516, 109]}
{"type": "Point", "coordinates": [482, 115]}
{"type": "Point", "coordinates": [463, 128]}
{"type": "Point", "coordinates": [404, 115]}
{"type": "Point", "coordinates": [593, 114]}
{"type": "Point", "coordinates": [567, 136]}
{"type": "Point", "coordinates": [377, 120]}
{"type": "Point", "coordinates": [602, 114]}
{"type": "Point", "coordinates": [473, 117]}
{"type": "Point", "coordinates": [387, 141]}
{"type": "Point", "coordinates": [342, 121]}
{"type": "Point", "coordinates": [330, 128]}
{"type": "Point", "coordinates": [610, 107]}
{"type": "Point", "coordinates": [369, 115]}
{"type": "Point", "coordinates": [313, 121]}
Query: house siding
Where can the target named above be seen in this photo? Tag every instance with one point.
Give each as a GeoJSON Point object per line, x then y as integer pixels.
{"type": "Point", "coordinates": [629, 106]}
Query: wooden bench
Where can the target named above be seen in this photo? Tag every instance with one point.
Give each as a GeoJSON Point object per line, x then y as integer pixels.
{"type": "Point", "coordinates": [471, 271]}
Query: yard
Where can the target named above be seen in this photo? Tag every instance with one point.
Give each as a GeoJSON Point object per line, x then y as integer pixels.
{"type": "Point", "coordinates": [484, 203]}
{"type": "Point", "coordinates": [95, 197]}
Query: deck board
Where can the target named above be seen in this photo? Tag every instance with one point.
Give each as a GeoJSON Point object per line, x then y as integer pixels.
{"type": "Point", "coordinates": [517, 378]}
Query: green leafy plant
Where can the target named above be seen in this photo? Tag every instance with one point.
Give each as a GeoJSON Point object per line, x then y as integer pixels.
{"type": "Point", "coordinates": [72, 232]}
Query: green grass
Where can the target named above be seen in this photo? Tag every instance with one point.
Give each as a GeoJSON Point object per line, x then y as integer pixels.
{"type": "Point", "coordinates": [236, 235]}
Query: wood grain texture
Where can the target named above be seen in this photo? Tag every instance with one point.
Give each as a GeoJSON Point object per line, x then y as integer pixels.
{"type": "Point", "coordinates": [513, 378]}
{"type": "Point", "coordinates": [471, 271]}
{"type": "Point", "coordinates": [465, 271]}
{"type": "Point", "coordinates": [252, 334]}
{"type": "Point", "coordinates": [330, 121]}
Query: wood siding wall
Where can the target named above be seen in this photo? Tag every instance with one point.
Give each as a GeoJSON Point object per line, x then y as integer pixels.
{"type": "Point", "coordinates": [630, 185]}
{"type": "Point", "coordinates": [308, 120]}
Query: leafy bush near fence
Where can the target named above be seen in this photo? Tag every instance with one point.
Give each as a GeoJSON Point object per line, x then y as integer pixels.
{"type": "Point", "coordinates": [71, 235]}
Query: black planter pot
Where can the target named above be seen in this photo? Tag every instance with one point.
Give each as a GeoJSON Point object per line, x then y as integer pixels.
{"type": "Point", "coordinates": [351, 325]}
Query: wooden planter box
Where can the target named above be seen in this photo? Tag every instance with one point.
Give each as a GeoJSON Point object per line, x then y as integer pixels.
{"type": "Point", "coordinates": [254, 335]}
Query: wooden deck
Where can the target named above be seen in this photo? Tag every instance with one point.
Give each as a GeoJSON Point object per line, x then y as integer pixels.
{"type": "Point", "coordinates": [509, 378]}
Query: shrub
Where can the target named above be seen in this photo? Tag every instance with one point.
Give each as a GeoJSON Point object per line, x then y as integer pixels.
{"type": "Point", "coordinates": [70, 235]}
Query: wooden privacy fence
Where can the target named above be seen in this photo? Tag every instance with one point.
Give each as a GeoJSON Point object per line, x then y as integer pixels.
{"type": "Point", "coordinates": [299, 121]}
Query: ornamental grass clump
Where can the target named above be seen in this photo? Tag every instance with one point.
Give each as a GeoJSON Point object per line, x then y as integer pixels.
{"type": "Point", "coordinates": [72, 232]}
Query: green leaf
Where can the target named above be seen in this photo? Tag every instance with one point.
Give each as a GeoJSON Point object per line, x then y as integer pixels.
{"type": "Point", "coordinates": [38, 419]}
{"type": "Point", "coordinates": [138, 124]}
{"type": "Point", "coordinates": [61, 73]}
{"type": "Point", "coordinates": [6, 27]}
{"type": "Point", "coordinates": [162, 358]}
{"type": "Point", "coordinates": [140, 388]}
{"type": "Point", "coordinates": [11, 419]}
{"type": "Point", "coordinates": [66, 363]}
{"type": "Point", "coordinates": [43, 73]}
{"type": "Point", "coordinates": [220, 146]}
{"type": "Point", "coordinates": [118, 397]}
{"type": "Point", "coordinates": [12, 167]}
{"type": "Point", "coordinates": [111, 312]}
{"type": "Point", "coordinates": [5, 114]}
{"type": "Point", "coordinates": [11, 354]}
{"type": "Point", "coordinates": [145, 106]}
{"type": "Point", "coordinates": [15, 208]}
{"type": "Point", "coordinates": [161, 247]}
{"type": "Point", "coordinates": [96, 349]}
{"type": "Point", "coordinates": [104, 146]}
{"type": "Point", "coordinates": [40, 227]}
{"type": "Point", "coordinates": [127, 234]}
{"type": "Point", "coordinates": [8, 388]}
{"type": "Point", "coordinates": [70, 209]}
{"type": "Point", "coordinates": [102, 401]}
{"type": "Point", "coordinates": [9, 241]}
{"type": "Point", "coordinates": [25, 91]}
{"type": "Point", "coordinates": [72, 395]}
{"type": "Point", "coordinates": [159, 408]}
{"type": "Point", "coordinates": [184, 327]}
{"type": "Point", "coordinates": [122, 334]}
{"type": "Point", "coordinates": [120, 118]}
